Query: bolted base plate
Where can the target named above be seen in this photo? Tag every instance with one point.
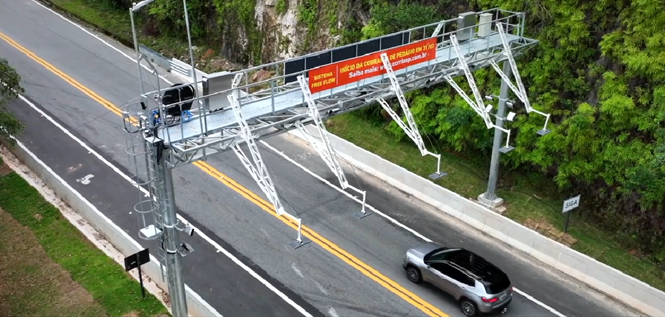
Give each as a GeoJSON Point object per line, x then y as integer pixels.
{"type": "Point", "coordinates": [360, 215]}
{"type": "Point", "coordinates": [494, 203]}
{"type": "Point", "coordinates": [297, 244]}
{"type": "Point", "coordinates": [437, 175]}
{"type": "Point", "coordinates": [542, 132]}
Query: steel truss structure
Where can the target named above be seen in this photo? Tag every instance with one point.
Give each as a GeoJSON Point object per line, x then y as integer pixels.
{"type": "Point", "coordinates": [478, 105]}
{"type": "Point", "coordinates": [259, 171]}
{"type": "Point", "coordinates": [272, 106]}
{"type": "Point", "coordinates": [328, 153]}
{"type": "Point", "coordinates": [267, 100]}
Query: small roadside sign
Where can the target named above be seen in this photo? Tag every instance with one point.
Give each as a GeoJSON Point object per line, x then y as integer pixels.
{"type": "Point", "coordinates": [568, 205]}
{"type": "Point", "coordinates": [571, 203]}
{"type": "Point", "coordinates": [135, 261]}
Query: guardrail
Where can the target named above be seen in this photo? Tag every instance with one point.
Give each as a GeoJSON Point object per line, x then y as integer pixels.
{"type": "Point", "coordinates": [608, 280]}
{"type": "Point", "coordinates": [172, 65]}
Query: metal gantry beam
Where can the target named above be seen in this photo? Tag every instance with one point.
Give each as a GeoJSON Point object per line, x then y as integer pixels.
{"type": "Point", "coordinates": [327, 153]}
{"type": "Point", "coordinates": [412, 129]}
{"type": "Point", "coordinates": [191, 142]}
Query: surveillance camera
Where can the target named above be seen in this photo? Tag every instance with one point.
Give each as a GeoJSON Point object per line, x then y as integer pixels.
{"type": "Point", "coordinates": [189, 229]}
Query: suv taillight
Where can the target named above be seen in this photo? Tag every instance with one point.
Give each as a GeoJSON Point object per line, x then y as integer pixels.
{"type": "Point", "coordinates": [489, 300]}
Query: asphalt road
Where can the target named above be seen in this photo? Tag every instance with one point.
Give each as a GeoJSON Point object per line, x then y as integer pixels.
{"type": "Point", "coordinates": [322, 281]}
{"type": "Point", "coordinates": [233, 291]}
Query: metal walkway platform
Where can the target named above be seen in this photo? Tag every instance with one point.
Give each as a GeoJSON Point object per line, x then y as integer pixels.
{"type": "Point", "coordinates": [255, 108]}
{"type": "Point", "coordinates": [272, 105]}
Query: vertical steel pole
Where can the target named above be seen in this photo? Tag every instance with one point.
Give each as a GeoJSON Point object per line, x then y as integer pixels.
{"type": "Point", "coordinates": [136, 47]}
{"type": "Point", "coordinates": [191, 60]}
{"type": "Point", "coordinates": [489, 197]}
{"type": "Point", "coordinates": [170, 238]}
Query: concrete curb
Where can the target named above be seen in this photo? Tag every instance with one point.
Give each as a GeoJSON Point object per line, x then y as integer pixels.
{"type": "Point", "coordinates": [624, 288]}
{"type": "Point", "coordinates": [115, 235]}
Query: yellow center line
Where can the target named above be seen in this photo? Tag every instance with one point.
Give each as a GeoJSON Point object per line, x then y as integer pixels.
{"type": "Point", "coordinates": [326, 244]}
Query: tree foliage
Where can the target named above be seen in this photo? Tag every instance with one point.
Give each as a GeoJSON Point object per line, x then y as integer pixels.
{"type": "Point", "coordinates": [599, 69]}
{"type": "Point", "coordinates": [10, 88]}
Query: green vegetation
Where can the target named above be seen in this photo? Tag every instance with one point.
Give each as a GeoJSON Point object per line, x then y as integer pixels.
{"type": "Point", "coordinates": [32, 284]}
{"type": "Point", "coordinates": [10, 88]}
{"type": "Point", "coordinates": [52, 289]}
{"type": "Point", "coordinates": [603, 87]}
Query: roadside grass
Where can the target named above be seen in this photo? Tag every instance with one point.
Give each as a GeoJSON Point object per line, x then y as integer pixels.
{"type": "Point", "coordinates": [529, 200]}
{"type": "Point", "coordinates": [48, 268]}
{"type": "Point", "coordinates": [526, 200]}
{"type": "Point", "coordinates": [32, 284]}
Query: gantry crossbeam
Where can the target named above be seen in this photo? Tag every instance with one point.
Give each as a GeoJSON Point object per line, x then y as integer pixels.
{"type": "Point", "coordinates": [273, 105]}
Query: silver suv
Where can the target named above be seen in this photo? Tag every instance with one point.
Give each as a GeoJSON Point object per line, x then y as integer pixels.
{"type": "Point", "coordinates": [477, 285]}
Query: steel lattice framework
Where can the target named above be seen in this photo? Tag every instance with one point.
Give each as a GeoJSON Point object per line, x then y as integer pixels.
{"type": "Point", "coordinates": [231, 109]}
{"type": "Point", "coordinates": [272, 106]}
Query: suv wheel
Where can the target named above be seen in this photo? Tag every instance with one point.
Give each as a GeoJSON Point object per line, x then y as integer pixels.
{"type": "Point", "coordinates": [413, 274]}
{"type": "Point", "coordinates": [468, 308]}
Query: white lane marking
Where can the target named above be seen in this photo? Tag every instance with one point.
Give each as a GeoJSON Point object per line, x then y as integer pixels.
{"type": "Point", "coordinates": [332, 312]}
{"type": "Point", "coordinates": [531, 298]}
{"type": "Point", "coordinates": [97, 37]}
{"type": "Point", "coordinates": [321, 289]}
{"type": "Point", "coordinates": [304, 157]}
{"type": "Point", "coordinates": [265, 233]}
{"type": "Point", "coordinates": [281, 153]}
{"type": "Point", "coordinates": [293, 266]}
{"type": "Point", "coordinates": [199, 232]}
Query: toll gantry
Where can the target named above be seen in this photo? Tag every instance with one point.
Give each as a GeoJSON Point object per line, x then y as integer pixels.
{"type": "Point", "coordinates": [190, 121]}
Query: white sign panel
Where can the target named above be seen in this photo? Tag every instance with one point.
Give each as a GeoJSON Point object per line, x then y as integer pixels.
{"type": "Point", "coordinates": [571, 203]}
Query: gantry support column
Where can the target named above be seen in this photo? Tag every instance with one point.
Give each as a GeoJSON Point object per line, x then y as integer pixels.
{"type": "Point", "coordinates": [170, 239]}
{"type": "Point", "coordinates": [489, 197]}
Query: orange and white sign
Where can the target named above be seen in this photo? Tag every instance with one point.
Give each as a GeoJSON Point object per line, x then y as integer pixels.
{"type": "Point", "coordinates": [370, 65]}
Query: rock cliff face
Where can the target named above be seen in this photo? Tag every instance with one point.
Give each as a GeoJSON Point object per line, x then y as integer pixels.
{"type": "Point", "coordinates": [283, 29]}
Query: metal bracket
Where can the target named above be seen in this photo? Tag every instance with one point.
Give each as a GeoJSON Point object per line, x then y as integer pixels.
{"type": "Point", "coordinates": [328, 154]}
{"type": "Point", "coordinates": [519, 91]}
{"type": "Point", "coordinates": [185, 249]}
{"type": "Point", "coordinates": [412, 129]}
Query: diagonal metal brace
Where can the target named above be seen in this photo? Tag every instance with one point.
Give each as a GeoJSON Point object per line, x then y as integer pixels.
{"type": "Point", "coordinates": [411, 129]}
{"type": "Point", "coordinates": [478, 105]}
{"type": "Point", "coordinates": [326, 151]}
{"type": "Point", "coordinates": [258, 171]}
{"type": "Point", "coordinates": [519, 91]}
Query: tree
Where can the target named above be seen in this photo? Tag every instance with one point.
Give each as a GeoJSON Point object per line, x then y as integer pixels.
{"type": "Point", "coordinates": [10, 88]}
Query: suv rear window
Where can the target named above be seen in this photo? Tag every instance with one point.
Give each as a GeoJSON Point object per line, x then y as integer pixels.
{"type": "Point", "coordinates": [497, 285]}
